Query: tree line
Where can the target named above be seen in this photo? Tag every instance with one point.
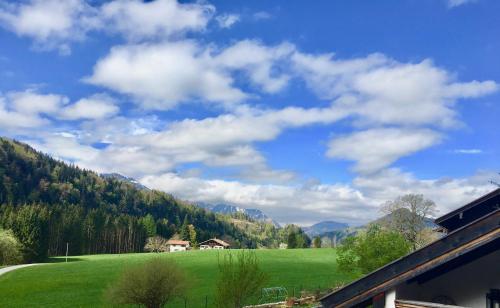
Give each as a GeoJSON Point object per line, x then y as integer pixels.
{"type": "Point", "coordinates": [47, 203]}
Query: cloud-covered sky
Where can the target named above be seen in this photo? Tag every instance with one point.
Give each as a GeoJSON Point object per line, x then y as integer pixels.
{"type": "Point", "coordinates": [307, 112]}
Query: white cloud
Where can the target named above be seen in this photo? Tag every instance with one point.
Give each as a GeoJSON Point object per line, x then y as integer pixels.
{"type": "Point", "coordinates": [258, 61]}
{"type": "Point", "coordinates": [163, 75]}
{"type": "Point", "coordinates": [378, 148]}
{"type": "Point", "coordinates": [140, 20]}
{"type": "Point", "coordinates": [28, 109]}
{"type": "Point", "coordinates": [94, 107]}
{"type": "Point", "coordinates": [468, 151]}
{"type": "Point", "coordinates": [357, 203]}
{"type": "Point", "coordinates": [448, 193]}
{"type": "Point", "coordinates": [226, 21]}
{"type": "Point", "coordinates": [262, 15]}
{"type": "Point", "coordinates": [65, 146]}
{"type": "Point", "coordinates": [380, 90]}
{"type": "Point", "coordinates": [56, 24]}
{"type": "Point", "coordinates": [301, 204]}
{"type": "Point", "coordinates": [456, 3]}
{"type": "Point", "coordinates": [52, 24]}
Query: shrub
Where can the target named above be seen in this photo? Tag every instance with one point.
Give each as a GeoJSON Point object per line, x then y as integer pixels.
{"type": "Point", "coordinates": [10, 248]}
{"type": "Point", "coordinates": [152, 284]}
{"type": "Point", "coordinates": [370, 250]}
{"type": "Point", "coordinates": [240, 278]}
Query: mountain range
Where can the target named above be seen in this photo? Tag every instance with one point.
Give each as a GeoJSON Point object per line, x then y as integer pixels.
{"type": "Point", "coordinates": [227, 209]}
{"type": "Point", "coordinates": [324, 227]}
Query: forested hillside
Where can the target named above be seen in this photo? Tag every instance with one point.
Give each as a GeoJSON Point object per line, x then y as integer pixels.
{"type": "Point", "coordinates": [48, 203]}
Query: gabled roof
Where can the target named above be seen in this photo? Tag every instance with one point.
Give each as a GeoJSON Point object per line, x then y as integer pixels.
{"type": "Point", "coordinates": [177, 242]}
{"type": "Point", "coordinates": [472, 237]}
{"type": "Point", "coordinates": [471, 211]}
{"type": "Point", "coordinates": [220, 242]}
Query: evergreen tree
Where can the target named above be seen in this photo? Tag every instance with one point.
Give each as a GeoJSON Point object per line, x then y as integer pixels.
{"type": "Point", "coordinates": [317, 242]}
{"type": "Point", "coordinates": [149, 224]}
{"type": "Point", "coordinates": [292, 240]}
{"type": "Point", "coordinates": [192, 236]}
{"type": "Point", "coordinates": [184, 231]}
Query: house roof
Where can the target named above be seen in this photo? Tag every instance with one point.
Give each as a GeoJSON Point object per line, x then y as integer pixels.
{"type": "Point", "coordinates": [177, 242]}
{"type": "Point", "coordinates": [482, 232]}
{"type": "Point", "coordinates": [220, 242]}
{"type": "Point", "coordinates": [471, 211]}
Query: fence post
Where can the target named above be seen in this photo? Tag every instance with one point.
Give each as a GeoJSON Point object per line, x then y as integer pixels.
{"type": "Point", "coordinates": [185, 302]}
{"type": "Point", "coordinates": [206, 301]}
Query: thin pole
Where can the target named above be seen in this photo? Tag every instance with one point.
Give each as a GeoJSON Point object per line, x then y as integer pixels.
{"type": "Point", "coordinates": [67, 247]}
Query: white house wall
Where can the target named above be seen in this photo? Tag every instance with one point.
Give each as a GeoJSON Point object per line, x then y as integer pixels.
{"type": "Point", "coordinates": [466, 285]}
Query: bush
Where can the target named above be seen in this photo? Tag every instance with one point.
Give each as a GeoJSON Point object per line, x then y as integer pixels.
{"type": "Point", "coordinates": [240, 278]}
{"type": "Point", "coordinates": [370, 250]}
{"type": "Point", "coordinates": [10, 248]}
{"type": "Point", "coordinates": [152, 284]}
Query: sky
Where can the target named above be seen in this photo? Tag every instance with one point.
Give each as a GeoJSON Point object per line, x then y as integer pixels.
{"type": "Point", "coordinates": [308, 111]}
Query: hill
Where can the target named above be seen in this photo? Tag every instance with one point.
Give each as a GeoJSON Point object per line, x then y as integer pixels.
{"type": "Point", "coordinates": [82, 281]}
{"type": "Point", "coordinates": [324, 227]}
{"type": "Point", "coordinates": [48, 203]}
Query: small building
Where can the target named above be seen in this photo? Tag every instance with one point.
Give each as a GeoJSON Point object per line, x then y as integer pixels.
{"type": "Point", "coordinates": [214, 243]}
{"type": "Point", "coordinates": [461, 269]}
{"type": "Point", "coordinates": [177, 245]}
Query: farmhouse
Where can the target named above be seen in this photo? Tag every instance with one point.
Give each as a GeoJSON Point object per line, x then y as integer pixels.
{"type": "Point", "coordinates": [176, 245]}
{"type": "Point", "coordinates": [461, 269]}
{"type": "Point", "coordinates": [214, 243]}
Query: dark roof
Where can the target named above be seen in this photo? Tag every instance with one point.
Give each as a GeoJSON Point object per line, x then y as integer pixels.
{"type": "Point", "coordinates": [471, 211]}
{"type": "Point", "coordinates": [469, 238]}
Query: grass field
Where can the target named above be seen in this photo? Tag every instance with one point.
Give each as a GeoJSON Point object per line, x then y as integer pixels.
{"type": "Point", "coordinates": [81, 282]}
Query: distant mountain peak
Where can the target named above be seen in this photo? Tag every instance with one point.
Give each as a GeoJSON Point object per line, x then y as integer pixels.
{"type": "Point", "coordinates": [120, 177]}
{"type": "Point", "coordinates": [228, 209]}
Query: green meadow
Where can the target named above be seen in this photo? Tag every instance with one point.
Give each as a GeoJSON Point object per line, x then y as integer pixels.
{"type": "Point", "coordinates": [82, 281]}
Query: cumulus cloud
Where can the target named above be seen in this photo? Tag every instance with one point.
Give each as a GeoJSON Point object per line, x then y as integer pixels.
{"type": "Point", "coordinates": [375, 149]}
{"type": "Point", "coordinates": [51, 24]}
{"type": "Point", "coordinates": [226, 21]}
{"type": "Point", "coordinates": [28, 109]}
{"type": "Point", "coordinates": [140, 20]}
{"type": "Point", "coordinates": [448, 193]}
{"type": "Point", "coordinates": [163, 75]}
{"type": "Point", "coordinates": [136, 149]}
{"type": "Point", "coordinates": [93, 107]}
{"type": "Point", "coordinates": [301, 204]}
{"type": "Point", "coordinates": [56, 24]}
{"type": "Point", "coordinates": [380, 90]}
{"type": "Point", "coordinates": [261, 63]}
{"type": "Point", "coordinates": [305, 204]}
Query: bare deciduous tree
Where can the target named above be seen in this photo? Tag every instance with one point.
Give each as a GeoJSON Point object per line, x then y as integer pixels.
{"type": "Point", "coordinates": [156, 244]}
{"type": "Point", "coordinates": [408, 216]}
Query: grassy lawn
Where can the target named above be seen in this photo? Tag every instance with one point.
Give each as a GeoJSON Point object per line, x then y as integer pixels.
{"type": "Point", "coordinates": [81, 282]}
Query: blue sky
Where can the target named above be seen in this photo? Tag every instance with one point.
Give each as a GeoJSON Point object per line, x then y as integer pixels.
{"type": "Point", "coordinates": [306, 111]}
